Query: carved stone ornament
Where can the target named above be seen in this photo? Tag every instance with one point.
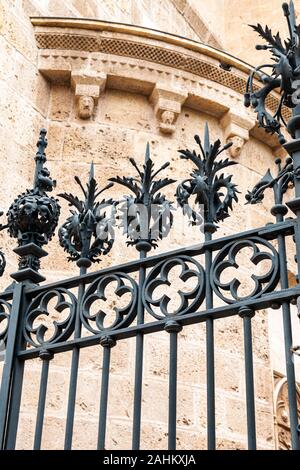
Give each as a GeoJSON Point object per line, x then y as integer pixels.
{"type": "Point", "coordinates": [85, 106]}
{"type": "Point", "coordinates": [237, 145]}
{"type": "Point", "coordinates": [187, 73]}
{"type": "Point", "coordinates": [281, 407]}
{"type": "Point", "coordinates": [87, 88]}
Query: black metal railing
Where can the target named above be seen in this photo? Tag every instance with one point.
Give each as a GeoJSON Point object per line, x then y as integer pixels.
{"type": "Point", "coordinates": [142, 288]}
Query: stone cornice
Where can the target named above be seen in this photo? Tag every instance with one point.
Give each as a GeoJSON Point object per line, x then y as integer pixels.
{"type": "Point", "coordinates": [44, 25]}
{"type": "Point", "coordinates": [136, 59]}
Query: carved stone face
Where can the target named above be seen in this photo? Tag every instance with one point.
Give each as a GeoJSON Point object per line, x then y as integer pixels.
{"type": "Point", "coordinates": [167, 117]}
{"type": "Point", "coordinates": [237, 144]}
{"type": "Point", "coordinates": [85, 107]}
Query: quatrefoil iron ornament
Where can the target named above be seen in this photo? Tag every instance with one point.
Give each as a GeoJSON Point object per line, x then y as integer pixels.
{"type": "Point", "coordinates": [190, 301]}
{"type": "Point", "coordinates": [226, 258]}
{"type": "Point", "coordinates": [124, 315]}
{"type": "Point", "coordinates": [36, 334]}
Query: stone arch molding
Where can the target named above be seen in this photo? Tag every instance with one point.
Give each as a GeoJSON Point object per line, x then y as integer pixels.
{"type": "Point", "coordinates": [92, 55]}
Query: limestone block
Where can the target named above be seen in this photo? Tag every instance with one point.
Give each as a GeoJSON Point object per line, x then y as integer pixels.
{"type": "Point", "coordinates": [155, 388]}
{"type": "Point", "coordinates": [85, 8]}
{"type": "Point", "coordinates": [119, 434]}
{"type": "Point", "coordinates": [154, 436]}
{"type": "Point", "coordinates": [98, 143]}
{"type": "Point", "coordinates": [125, 110]}
{"type": "Point", "coordinates": [120, 404]}
{"type": "Point", "coordinates": [186, 409]}
{"type": "Point", "coordinates": [26, 430]}
{"type": "Point", "coordinates": [265, 425]}
{"type": "Point", "coordinates": [228, 372]}
{"type": "Point", "coordinates": [235, 414]}
{"type": "Point", "coordinates": [186, 439]}
{"type": "Point", "coordinates": [60, 106]}
{"type": "Point", "coordinates": [263, 382]}
{"type": "Point", "coordinates": [224, 443]}
{"type": "Point", "coordinates": [19, 34]}
{"type": "Point", "coordinates": [86, 403]}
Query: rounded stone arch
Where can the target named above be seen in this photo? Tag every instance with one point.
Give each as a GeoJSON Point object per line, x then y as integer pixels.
{"type": "Point", "coordinates": [172, 71]}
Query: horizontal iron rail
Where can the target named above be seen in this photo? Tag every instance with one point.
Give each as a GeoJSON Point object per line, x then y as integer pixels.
{"type": "Point", "coordinates": [269, 232]}
{"type": "Point", "coordinates": [274, 298]}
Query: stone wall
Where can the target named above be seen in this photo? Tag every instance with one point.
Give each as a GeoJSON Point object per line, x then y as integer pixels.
{"type": "Point", "coordinates": [123, 121]}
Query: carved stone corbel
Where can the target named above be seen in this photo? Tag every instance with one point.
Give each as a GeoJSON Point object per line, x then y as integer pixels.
{"type": "Point", "coordinates": [87, 89]}
{"type": "Point", "coordinates": [236, 130]}
{"type": "Point", "coordinates": [167, 104]}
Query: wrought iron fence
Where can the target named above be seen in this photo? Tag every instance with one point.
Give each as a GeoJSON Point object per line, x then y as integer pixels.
{"type": "Point", "coordinates": [143, 299]}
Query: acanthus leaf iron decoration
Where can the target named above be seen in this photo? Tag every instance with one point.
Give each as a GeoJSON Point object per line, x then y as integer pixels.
{"type": "Point", "coordinates": [146, 216]}
{"type": "Point", "coordinates": [33, 216]}
{"type": "Point", "coordinates": [279, 184]}
{"type": "Point", "coordinates": [88, 232]}
{"type": "Point", "coordinates": [285, 74]}
{"type": "Point", "coordinates": [206, 185]}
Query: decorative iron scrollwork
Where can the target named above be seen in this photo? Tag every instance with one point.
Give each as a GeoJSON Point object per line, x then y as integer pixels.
{"type": "Point", "coordinates": [279, 184]}
{"type": "Point", "coordinates": [39, 312]}
{"type": "Point", "coordinates": [285, 74]}
{"type": "Point", "coordinates": [227, 258]}
{"type": "Point", "coordinates": [96, 310]}
{"type": "Point", "coordinates": [88, 221]}
{"type": "Point", "coordinates": [206, 185]}
{"type": "Point", "coordinates": [5, 309]}
{"type": "Point", "coordinates": [159, 277]}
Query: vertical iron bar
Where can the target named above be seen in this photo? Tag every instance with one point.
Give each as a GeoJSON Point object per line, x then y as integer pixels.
{"type": "Point", "coordinates": [210, 353]}
{"type": "Point", "coordinates": [287, 331]}
{"type": "Point", "coordinates": [288, 343]}
{"type": "Point", "coordinates": [246, 314]}
{"type": "Point", "coordinates": [293, 148]}
{"type": "Point", "coordinates": [173, 329]}
{"type": "Point", "coordinates": [9, 360]}
{"type": "Point", "coordinates": [16, 386]}
{"type": "Point", "coordinates": [74, 369]}
{"type": "Point", "coordinates": [107, 344]}
{"type": "Point", "coordinates": [139, 351]}
{"type": "Point", "coordinates": [15, 402]}
{"type": "Point", "coordinates": [46, 357]}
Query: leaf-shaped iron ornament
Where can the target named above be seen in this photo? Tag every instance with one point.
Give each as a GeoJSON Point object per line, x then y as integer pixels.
{"type": "Point", "coordinates": [146, 215]}
{"type": "Point", "coordinates": [206, 185]}
{"type": "Point", "coordinates": [279, 184]}
{"type": "Point", "coordinates": [88, 221]}
{"type": "Point", "coordinates": [285, 73]}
